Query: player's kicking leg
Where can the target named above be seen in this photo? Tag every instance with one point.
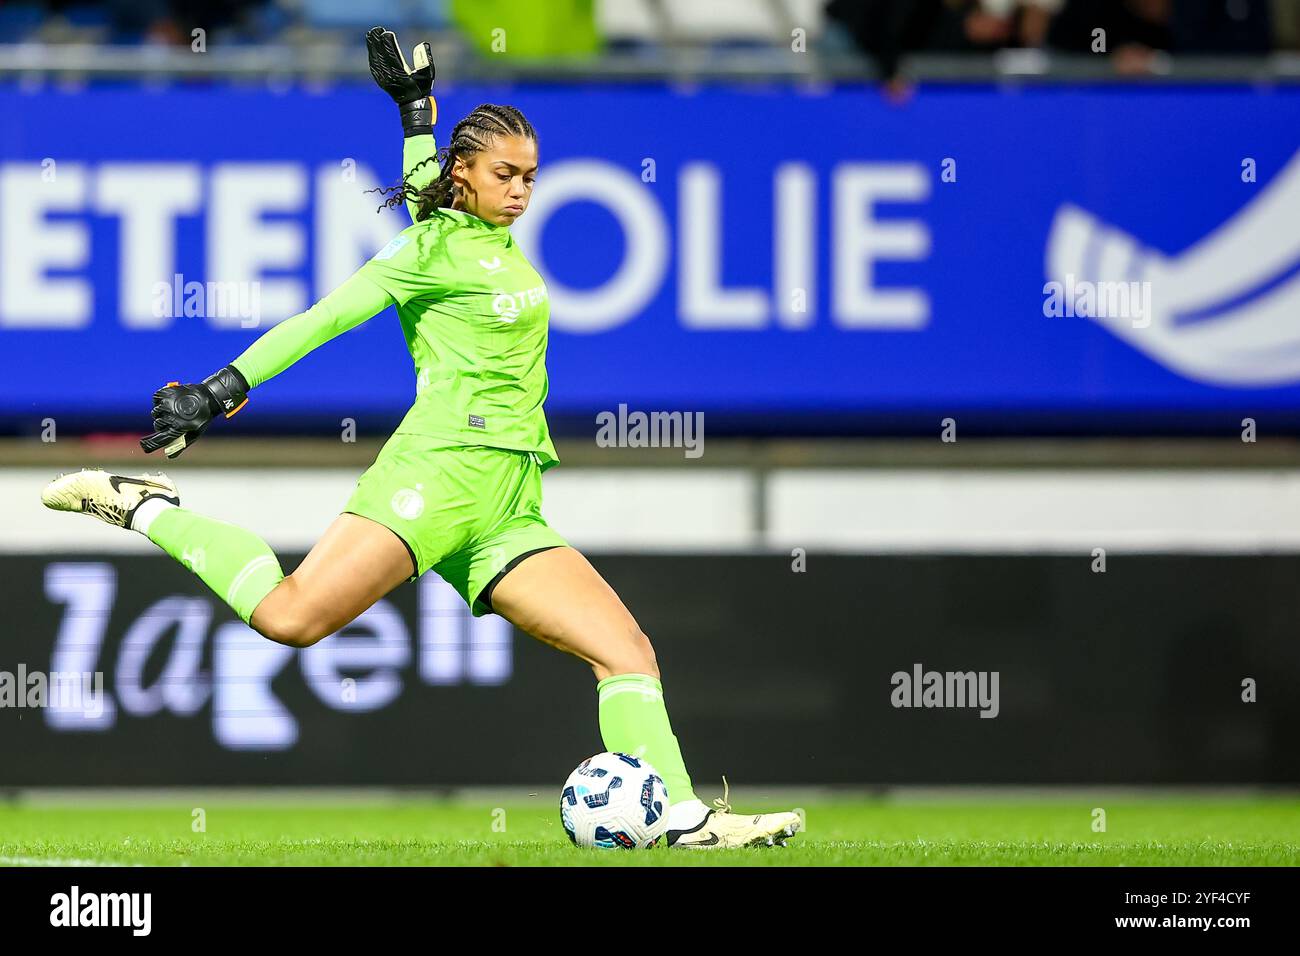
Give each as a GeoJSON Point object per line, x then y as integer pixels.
{"type": "Point", "coordinates": [355, 563]}
{"type": "Point", "coordinates": [560, 599]}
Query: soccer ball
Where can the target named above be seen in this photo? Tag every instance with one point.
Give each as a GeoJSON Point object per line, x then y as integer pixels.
{"type": "Point", "coordinates": [613, 801]}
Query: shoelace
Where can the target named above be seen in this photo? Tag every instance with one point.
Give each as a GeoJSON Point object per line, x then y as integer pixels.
{"type": "Point", "coordinates": [721, 803]}
{"type": "Point", "coordinates": [110, 513]}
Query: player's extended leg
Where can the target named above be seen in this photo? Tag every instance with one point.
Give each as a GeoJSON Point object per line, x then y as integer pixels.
{"type": "Point", "coordinates": [560, 599]}
{"type": "Point", "coordinates": [354, 564]}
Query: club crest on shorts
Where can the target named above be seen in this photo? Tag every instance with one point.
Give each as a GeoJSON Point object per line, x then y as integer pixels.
{"type": "Point", "coordinates": [407, 503]}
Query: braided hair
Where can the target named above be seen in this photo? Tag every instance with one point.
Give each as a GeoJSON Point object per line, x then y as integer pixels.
{"type": "Point", "coordinates": [474, 134]}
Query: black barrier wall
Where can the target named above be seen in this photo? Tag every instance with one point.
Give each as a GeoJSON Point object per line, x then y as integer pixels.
{"type": "Point", "coordinates": [861, 670]}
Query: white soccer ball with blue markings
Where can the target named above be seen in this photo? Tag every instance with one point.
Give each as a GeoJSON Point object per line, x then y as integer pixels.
{"type": "Point", "coordinates": [614, 801]}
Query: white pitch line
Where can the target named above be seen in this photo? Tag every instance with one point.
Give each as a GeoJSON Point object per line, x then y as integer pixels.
{"type": "Point", "coordinates": [56, 861]}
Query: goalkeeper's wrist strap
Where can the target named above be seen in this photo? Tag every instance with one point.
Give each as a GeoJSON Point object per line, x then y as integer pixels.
{"type": "Point", "coordinates": [229, 388]}
{"type": "Point", "coordinates": [418, 116]}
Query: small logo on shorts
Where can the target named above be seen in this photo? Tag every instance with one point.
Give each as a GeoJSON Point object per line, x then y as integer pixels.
{"type": "Point", "coordinates": [476, 421]}
{"type": "Point", "coordinates": [408, 503]}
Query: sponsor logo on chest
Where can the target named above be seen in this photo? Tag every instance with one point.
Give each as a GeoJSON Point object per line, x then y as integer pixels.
{"type": "Point", "coordinates": [508, 306]}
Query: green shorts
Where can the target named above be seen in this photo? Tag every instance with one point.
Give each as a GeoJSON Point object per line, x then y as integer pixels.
{"type": "Point", "coordinates": [469, 512]}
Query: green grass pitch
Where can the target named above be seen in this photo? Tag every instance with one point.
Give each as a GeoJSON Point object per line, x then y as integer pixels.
{"type": "Point", "coordinates": [375, 831]}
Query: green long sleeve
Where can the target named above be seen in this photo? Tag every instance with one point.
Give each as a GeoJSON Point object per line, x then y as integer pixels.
{"type": "Point", "coordinates": [355, 301]}
{"type": "Point", "coordinates": [415, 150]}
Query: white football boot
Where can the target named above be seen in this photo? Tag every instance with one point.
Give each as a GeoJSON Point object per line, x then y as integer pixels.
{"type": "Point", "coordinates": [722, 829]}
{"type": "Point", "coordinates": [111, 498]}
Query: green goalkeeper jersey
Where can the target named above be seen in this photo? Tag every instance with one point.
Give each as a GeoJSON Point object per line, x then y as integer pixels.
{"type": "Point", "coordinates": [474, 314]}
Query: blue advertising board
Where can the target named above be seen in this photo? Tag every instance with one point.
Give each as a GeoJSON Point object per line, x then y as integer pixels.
{"type": "Point", "coordinates": [1056, 258]}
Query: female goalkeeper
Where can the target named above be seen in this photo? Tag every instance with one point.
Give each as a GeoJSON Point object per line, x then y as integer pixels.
{"type": "Point", "coordinates": [457, 488]}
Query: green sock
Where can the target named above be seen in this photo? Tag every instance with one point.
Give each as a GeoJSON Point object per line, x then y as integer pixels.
{"type": "Point", "coordinates": [633, 720]}
{"type": "Point", "coordinates": [238, 565]}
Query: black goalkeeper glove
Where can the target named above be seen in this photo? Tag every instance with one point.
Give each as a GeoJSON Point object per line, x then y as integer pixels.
{"type": "Point", "coordinates": [182, 413]}
{"type": "Point", "coordinates": [409, 88]}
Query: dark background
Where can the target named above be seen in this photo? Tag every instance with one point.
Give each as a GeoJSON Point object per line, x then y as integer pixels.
{"type": "Point", "coordinates": [1132, 676]}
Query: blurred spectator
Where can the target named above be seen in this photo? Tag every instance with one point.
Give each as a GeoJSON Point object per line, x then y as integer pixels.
{"type": "Point", "coordinates": [1132, 31]}
{"type": "Point", "coordinates": [888, 29]}
{"type": "Point", "coordinates": [1136, 32]}
{"type": "Point", "coordinates": [1035, 19]}
{"type": "Point", "coordinates": [526, 29]}
{"type": "Point", "coordinates": [165, 22]}
{"type": "Point", "coordinates": [1130, 24]}
{"type": "Point", "coordinates": [1222, 26]}
{"type": "Point", "coordinates": [1286, 24]}
{"type": "Point", "coordinates": [182, 17]}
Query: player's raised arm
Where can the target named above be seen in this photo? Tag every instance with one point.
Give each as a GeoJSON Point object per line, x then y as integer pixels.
{"type": "Point", "coordinates": [182, 413]}
{"type": "Point", "coordinates": [411, 89]}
